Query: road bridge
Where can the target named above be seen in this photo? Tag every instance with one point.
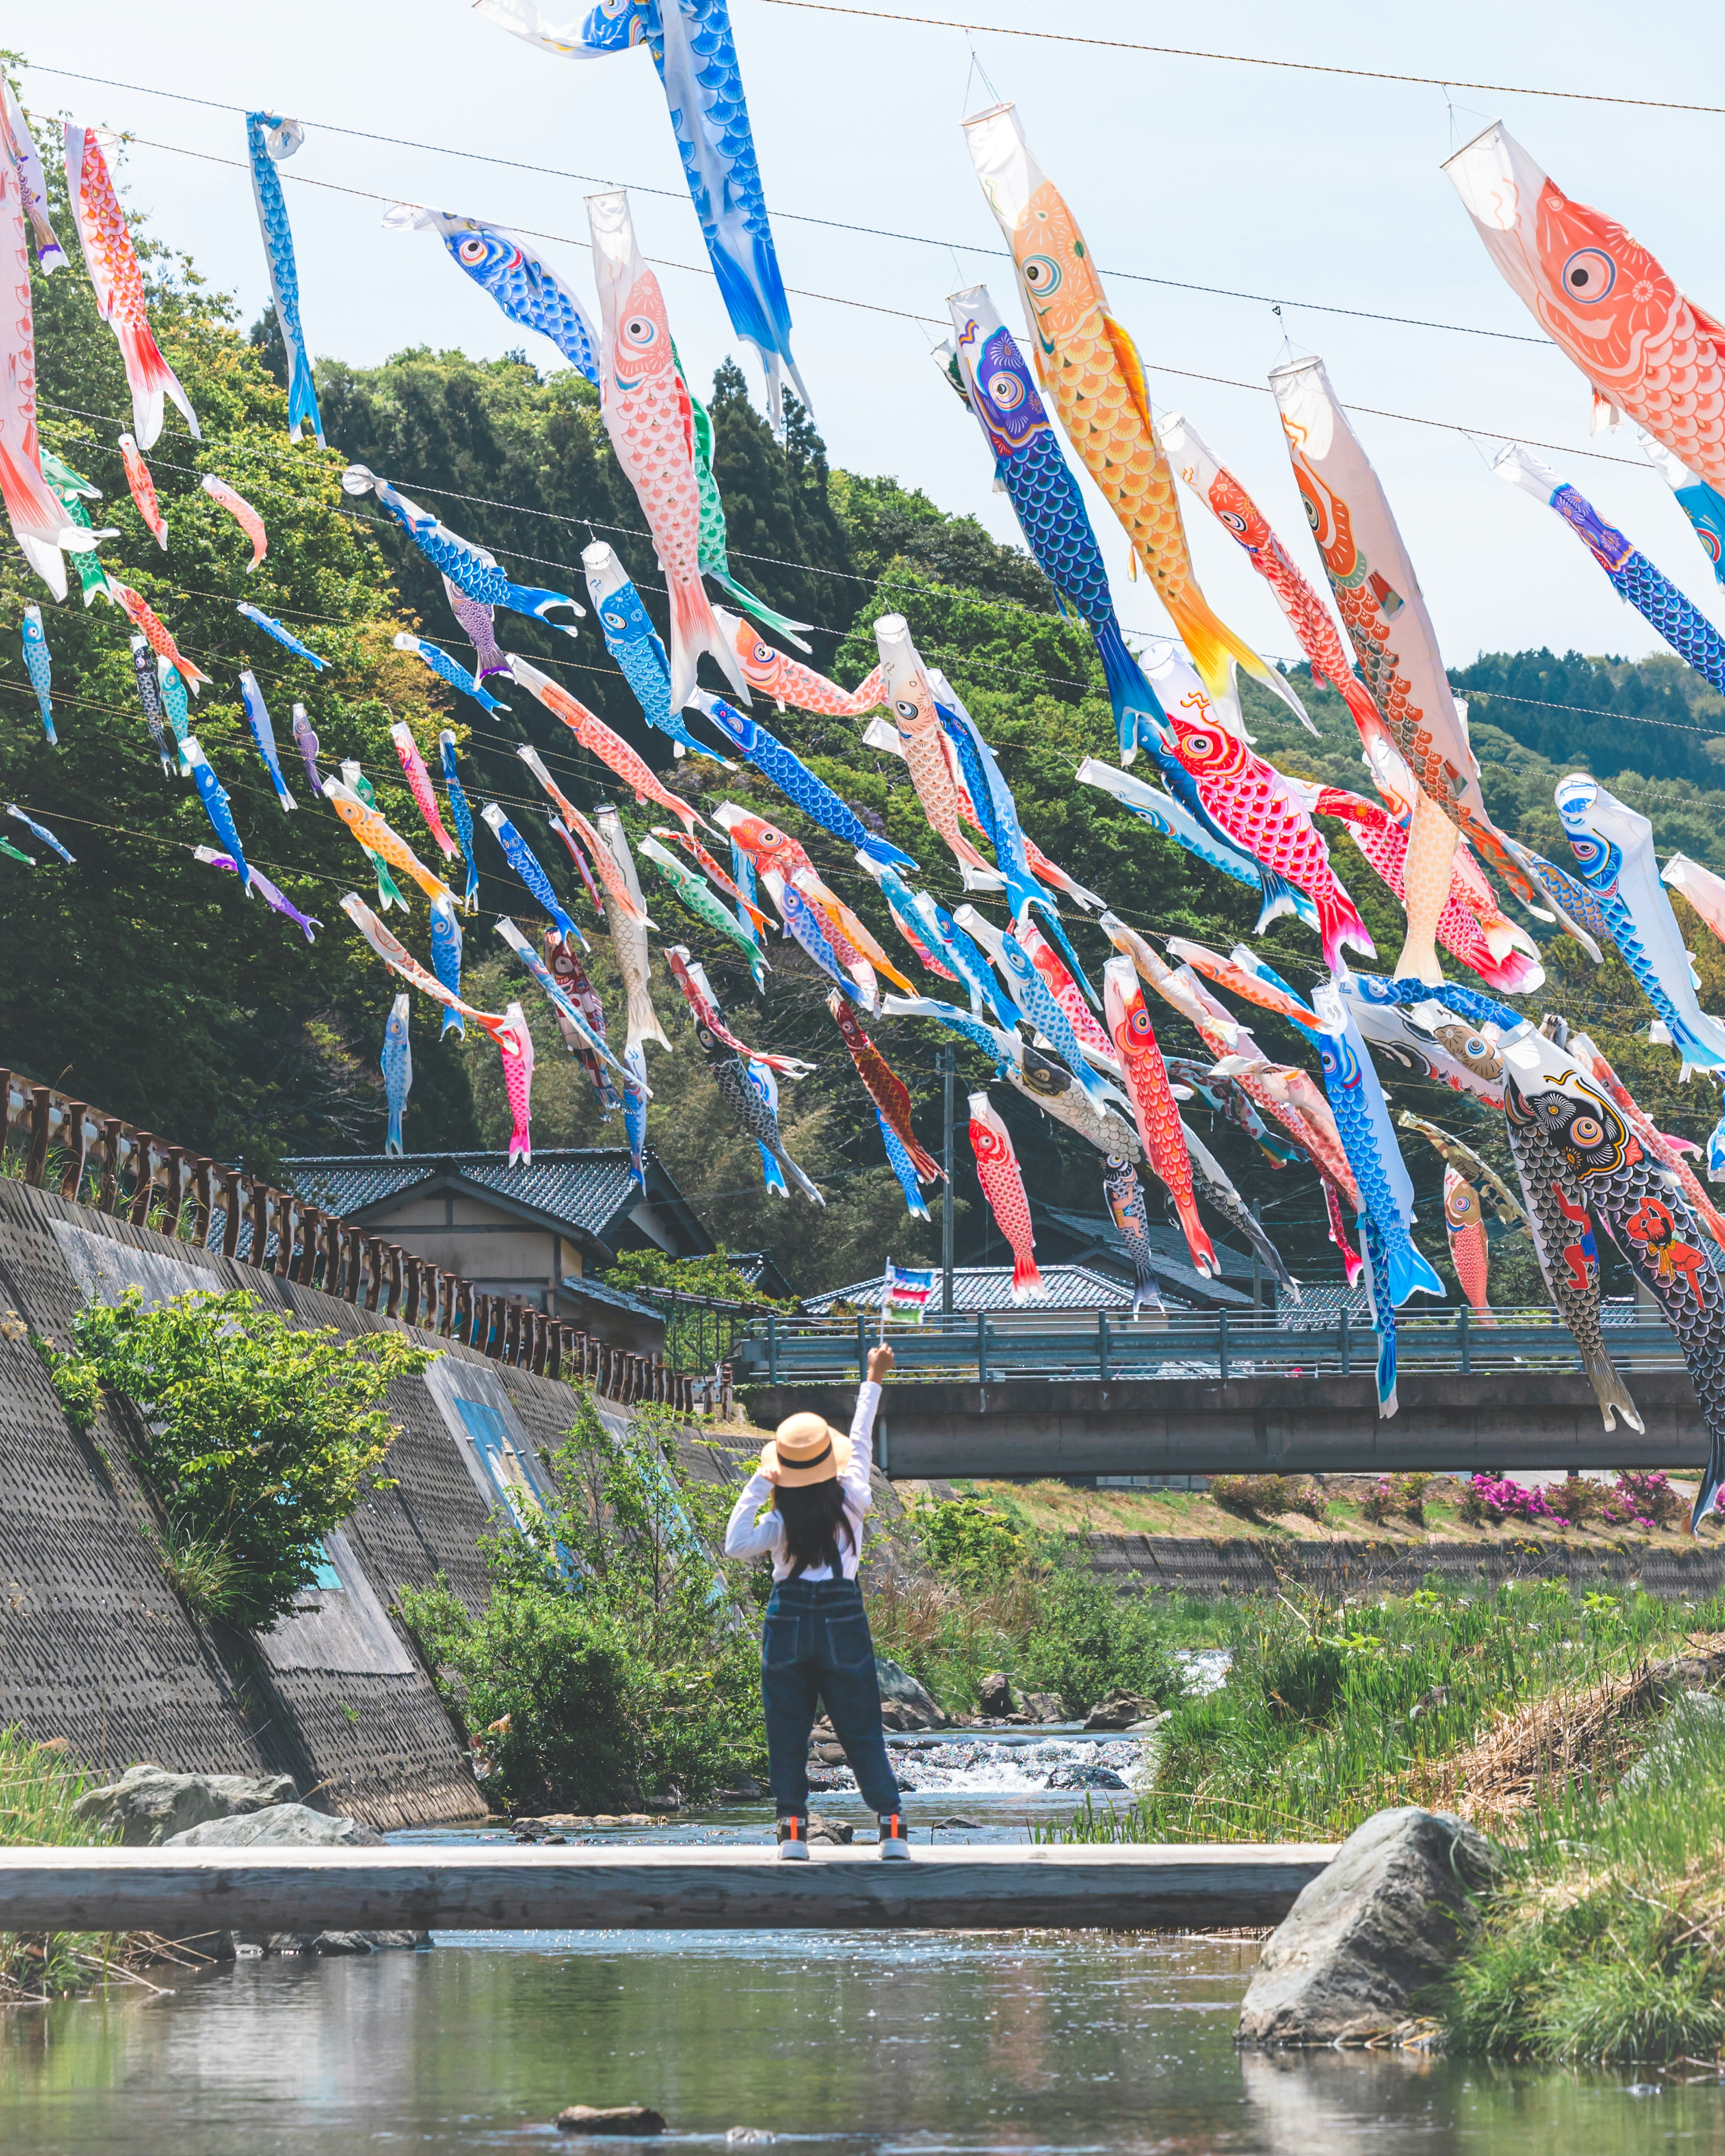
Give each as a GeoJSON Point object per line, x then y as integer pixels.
{"type": "Point", "coordinates": [1217, 1395]}
{"type": "Point", "coordinates": [186, 1893]}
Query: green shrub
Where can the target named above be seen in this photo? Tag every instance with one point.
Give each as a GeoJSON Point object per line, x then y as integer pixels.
{"type": "Point", "coordinates": [967, 1539]}
{"type": "Point", "coordinates": [255, 1438]}
{"type": "Point", "coordinates": [1266, 1496]}
{"type": "Point", "coordinates": [611, 1663]}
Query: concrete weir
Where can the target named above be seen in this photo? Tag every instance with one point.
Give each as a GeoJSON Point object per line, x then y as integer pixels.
{"type": "Point", "coordinates": [1025, 1427]}
{"type": "Point", "coordinates": [181, 1894]}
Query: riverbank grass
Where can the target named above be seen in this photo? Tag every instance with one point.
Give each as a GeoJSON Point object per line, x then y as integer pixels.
{"type": "Point", "coordinates": [1331, 1713]}
{"type": "Point", "coordinates": [1606, 1939]}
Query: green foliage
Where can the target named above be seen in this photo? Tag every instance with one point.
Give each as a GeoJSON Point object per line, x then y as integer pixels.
{"type": "Point", "coordinates": [255, 1438]}
{"type": "Point", "coordinates": [966, 1540]}
{"type": "Point", "coordinates": [1606, 1939]}
{"type": "Point", "coordinates": [609, 1664]}
{"type": "Point", "coordinates": [1332, 1713]}
{"type": "Point", "coordinates": [714, 1276]}
{"type": "Point", "coordinates": [998, 1598]}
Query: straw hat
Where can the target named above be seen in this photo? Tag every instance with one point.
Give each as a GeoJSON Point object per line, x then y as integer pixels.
{"type": "Point", "coordinates": [804, 1448]}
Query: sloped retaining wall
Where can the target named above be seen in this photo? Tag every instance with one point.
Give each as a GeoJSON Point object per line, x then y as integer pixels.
{"type": "Point", "coordinates": [95, 1647]}
{"type": "Point", "coordinates": [1251, 1566]}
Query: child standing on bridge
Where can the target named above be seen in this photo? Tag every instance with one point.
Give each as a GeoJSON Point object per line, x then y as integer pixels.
{"type": "Point", "coordinates": [815, 1646]}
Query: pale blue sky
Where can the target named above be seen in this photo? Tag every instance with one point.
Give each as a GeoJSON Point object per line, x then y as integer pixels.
{"type": "Point", "coordinates": [1309, 187]}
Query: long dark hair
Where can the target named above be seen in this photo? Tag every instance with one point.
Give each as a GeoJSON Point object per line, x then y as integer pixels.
{"type": "Point", "coordinates": [814, 1518]}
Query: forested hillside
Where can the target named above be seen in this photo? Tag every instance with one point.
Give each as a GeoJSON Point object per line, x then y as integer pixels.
{"type": "Point", "coordinates": [148, 983]}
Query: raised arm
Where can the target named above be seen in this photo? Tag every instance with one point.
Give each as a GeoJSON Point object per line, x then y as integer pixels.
{"type": "Point", "coordinates": [854, 1480]}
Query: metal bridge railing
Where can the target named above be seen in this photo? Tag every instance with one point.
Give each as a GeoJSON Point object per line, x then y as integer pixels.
{"type": "Point", "coordinates": [988, 1348]}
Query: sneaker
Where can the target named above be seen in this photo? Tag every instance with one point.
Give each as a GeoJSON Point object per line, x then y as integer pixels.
{"type": "Point", "coordinates": [893, 1844]}
{"type": "Point", "coordinates": [794, 1839]}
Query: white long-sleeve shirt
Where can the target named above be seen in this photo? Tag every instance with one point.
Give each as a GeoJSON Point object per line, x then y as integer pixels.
{"type": "Point", "coordinates": [745, 1535]}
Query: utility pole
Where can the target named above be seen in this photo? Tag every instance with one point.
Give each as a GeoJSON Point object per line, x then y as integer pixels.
{"type": "Point", "coordinates": [949, 1071]}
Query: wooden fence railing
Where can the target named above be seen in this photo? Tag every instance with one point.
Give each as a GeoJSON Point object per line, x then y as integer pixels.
{"type": "Point", "coordinates": [214, 1207]}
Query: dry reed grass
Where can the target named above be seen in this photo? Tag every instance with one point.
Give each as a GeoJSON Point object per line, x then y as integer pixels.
{"type": "Point", "coordinates": [1546, 1749]}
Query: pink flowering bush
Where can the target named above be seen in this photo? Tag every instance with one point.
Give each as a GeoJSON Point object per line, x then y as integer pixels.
{"type": "Point", "coordinates": [1497, 1498]}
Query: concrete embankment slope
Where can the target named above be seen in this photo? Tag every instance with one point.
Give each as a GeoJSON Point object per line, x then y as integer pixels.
{"type": "Point", "coordinates": [95, 1647]}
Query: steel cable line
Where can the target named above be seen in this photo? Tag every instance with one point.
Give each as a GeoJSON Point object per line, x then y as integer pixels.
{"type": "Point", "coordinates": [787, 217]}
{"type": "Point", "coordinates": [1250, 59]}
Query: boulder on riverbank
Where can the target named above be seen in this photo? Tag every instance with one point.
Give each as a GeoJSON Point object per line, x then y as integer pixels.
{"type": "Point", "coordinates": [906, 1704]}
{"type": "Point", "coordinates": [148, 1805]}
{"type": "Point", "coordinates": [1120, 1710]}
{"type": "Point", "coordinates": [277, 1826]}
{"type": "Point", "coordinates": [1387, 1918]}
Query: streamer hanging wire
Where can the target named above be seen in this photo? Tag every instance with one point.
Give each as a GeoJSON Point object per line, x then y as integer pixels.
{"type": "Point", "coordinates": [1445, 82]}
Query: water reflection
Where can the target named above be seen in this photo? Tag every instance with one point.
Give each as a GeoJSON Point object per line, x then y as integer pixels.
{"type": "Point", "coordinates": [927, 2042]}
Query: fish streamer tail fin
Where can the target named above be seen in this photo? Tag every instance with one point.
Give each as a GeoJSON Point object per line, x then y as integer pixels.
{"type": "Point", "coordinates": [1339, 924]}
{"type": "Point", "coordinates": [151, 380]}
{"type": "Point", "coordinates": [797, 1176]}
{"type": "Point", "coordinates": [1211, 644]}
{"type": "Point", "coordinates": [1131, 694]}
{"type": "Point", "coordinates": [768, 616]}
{"type": "Point", "coordinates": [1609, 1390]}
{"type": "Point", "coordinates": [1407, 1271]}
{"type": "Point", "coordinates": [392, 1140]}
{"type": "Point", "coordinates": [1706, 1496]}
{"type": "Point", "coordinates": [642, 1020]}
{"type": "Point", "coordinates": [1197, 1241]}
{"type": "Point", "coordinates": [1027, 1283]}
{"type": "Point", "coordinates": [693, 630]}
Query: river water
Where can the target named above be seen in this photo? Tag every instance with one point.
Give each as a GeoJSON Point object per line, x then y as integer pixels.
{"type": "Point", "coordinates": [937, 2044]}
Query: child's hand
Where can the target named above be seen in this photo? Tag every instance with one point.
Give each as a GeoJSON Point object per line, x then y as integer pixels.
{"type": "Point", "coordinates": [880, 1362]}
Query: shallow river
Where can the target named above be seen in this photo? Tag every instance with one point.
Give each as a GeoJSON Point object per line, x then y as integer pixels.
{"type": "Point", "coordinates": [859, 2041]}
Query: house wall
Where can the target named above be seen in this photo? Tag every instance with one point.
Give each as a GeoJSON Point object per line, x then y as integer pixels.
{"type": "Point", "coordinates": [494, 1249]}
{"type": "Point", "coordinates": [95, 1647]}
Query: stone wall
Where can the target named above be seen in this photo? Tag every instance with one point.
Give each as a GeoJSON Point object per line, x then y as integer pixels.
{"type": "Point", "coordinates": [1245, 1565]}
{"type": "Point", "coordinates": [95, 1647]}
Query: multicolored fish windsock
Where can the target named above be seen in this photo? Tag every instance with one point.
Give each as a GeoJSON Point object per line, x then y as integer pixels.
{"type": "Point", "coordinates": [1614, 859]}
{"type": "Point", "coordinates": [695, 54]}
{"type": "Point", "coordinates": [284, 637]}
{"type": "Point", "coordinates": [646, 415]}
{"type": "Point", "coordinates": [524, 862]}
{"type": "Point", "coordinates": [20, 146]}
{"type": "Point", "coordinates": [1602, 299]}
{"type": "Point", "coordinates": [41, 832]}
{"type": "Point", "coordinates": [213, 796]}
{"type": "Point", "coordinates": [402, 961]}
{"type": "Point", "coordinates": [118, 283]}
{"type": "Point", "coordinates": [459, 814]}
{"type": "Point", "coordinates": [1090, 368]}
{"type": "Point", "coordinates": [263, 733]}
{"type": "Point", "coordinates": [275, 898]}
{"type": "Point", "coordinates": [714, 538]}
{"type": "Point", "coordinates": [269, 140]}
{"type": "Point", "coordinates": [39, 665]}
{"type": "Point", "coordinates": [397, 1063]}
{"type": "Point", "coordinates": [1045, 497]}
{"type": "Point", "coordinates": [448, 669]}
{"type": "Point", "coordinates": [244, 515]}
{"type": "Point", "coordinates": [998, 1171]}
{"type": "Point", "coordinates": [73, 490]}
{"type": "Point", "coordinates": [471, 569]}
{"type": "Point", "coordinates": [637, 646]}
{"type": "Point", "coordinates": [1653, 595]}
{"type": "Point", "coordinates": [43, 523]}
{"type": "Point", "coordinates": [1378, 598]}
{"type": "Point", "coordinates": [1704, 506]}
{"type": "Point", "coordinates": [590, 730]}
{"type": "Point", "coordinates": [501, 263]}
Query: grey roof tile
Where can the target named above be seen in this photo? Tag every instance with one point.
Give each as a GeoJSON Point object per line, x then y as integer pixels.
{"type": "Point", "coordinates": [585, 1188]}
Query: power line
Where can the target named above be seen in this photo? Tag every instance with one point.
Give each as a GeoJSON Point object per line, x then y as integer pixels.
{"type": "Point", "coordinates": [1249, 59]}
{"type": "Point", "coordinates": [791, 216]}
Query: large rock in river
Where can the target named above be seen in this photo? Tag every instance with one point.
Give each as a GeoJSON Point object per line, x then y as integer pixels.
{"type": "Point", "coordinates": [295, 1826]}
{"type": "Point", "coordinates": [1388, 1916]}
{"type": "Point", "coordinates": [147, 1804]}
{"type": "Point", "coordinates": [905, 1703]}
